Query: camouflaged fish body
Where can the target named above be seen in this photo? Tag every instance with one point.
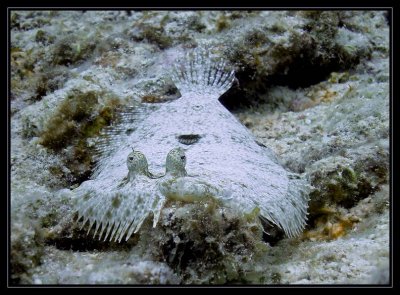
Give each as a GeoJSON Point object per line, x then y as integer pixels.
{"type": "Point", "coordinates": [123, 209]}
{"type": "Point", "coordinates": [223, 159]}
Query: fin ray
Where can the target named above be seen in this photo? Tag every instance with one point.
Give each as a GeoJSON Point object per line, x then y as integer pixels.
{"type": "Point", "coordinates": [202, 73]}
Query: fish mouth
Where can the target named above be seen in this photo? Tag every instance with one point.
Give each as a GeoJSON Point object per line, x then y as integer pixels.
{"type": "Point", "coordinates": [188, 139]}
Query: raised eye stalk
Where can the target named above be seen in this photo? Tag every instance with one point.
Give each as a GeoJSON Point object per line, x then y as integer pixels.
{"type": "Point", "coordinates": [176, 162]}
{"type": "Point", "coordinates": [137, 165]}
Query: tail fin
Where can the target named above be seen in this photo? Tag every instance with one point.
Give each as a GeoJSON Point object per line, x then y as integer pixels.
{"type": "Point", "coordinates": [200, 72]}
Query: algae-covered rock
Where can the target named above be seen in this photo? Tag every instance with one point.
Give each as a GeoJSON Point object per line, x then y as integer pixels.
{"type": "Point", "coordinates": [109, 267]}
{"type": "Point", "coordinates": [66, 129]}
{"type": "Point", "coordinates": [206, 243]}
{"type": "Point", "coordinates": [27, 248]}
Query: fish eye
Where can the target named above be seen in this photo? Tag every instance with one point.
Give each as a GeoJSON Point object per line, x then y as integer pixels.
{"type": "Point", "coordinates": [183, 157]}
{"type": "Point", "coordinates": [131, 158]}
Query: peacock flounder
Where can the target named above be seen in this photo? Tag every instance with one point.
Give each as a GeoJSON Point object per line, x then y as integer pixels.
{"type": "Point", "coordinates": [196, 148]}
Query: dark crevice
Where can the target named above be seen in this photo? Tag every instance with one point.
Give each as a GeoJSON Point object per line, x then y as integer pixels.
{"type": "Point", "coordinates": [84, 244]}
{"type": "Point", "coordinates": [271, 234]}
{"type": "Point", "coordinates": [300, 74]}
{"type": "Point", "coordinates": [75, 239]}
{"type": "Point", "coordinates": [236, 98]}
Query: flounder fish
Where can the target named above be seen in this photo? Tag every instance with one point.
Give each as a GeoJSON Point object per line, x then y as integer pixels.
{"type": "Point", "coordinates": [187, 149]}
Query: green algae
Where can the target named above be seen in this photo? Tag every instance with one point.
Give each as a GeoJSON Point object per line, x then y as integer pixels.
{"type": "Point", "coordinates": [78, 117]}
{"type": "Point", "coordinates": [206, 243]}
{"type": "Point", "coordinates": [73, 49]}
{"type": "Point", "coordinates": [222, 23]}
{"type": "Point", "coordinates": [155, 35]}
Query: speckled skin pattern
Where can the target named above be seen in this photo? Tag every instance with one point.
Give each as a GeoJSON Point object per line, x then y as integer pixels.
{"type": "Point", "coordinates": [137, 164]}
{"type": "Point", "coordinates": [224, 161]}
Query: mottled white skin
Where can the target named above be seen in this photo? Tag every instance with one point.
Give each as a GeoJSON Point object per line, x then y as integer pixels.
{"type": "Point", "coordinates": [175, 163]}
{"type": "Point", "coordinates": [137, 165]}
{"type": "Point", "coordinates": [178, 185]}
{"type": "Point", "coordinates": [226, 156]}
{"type": "Point", "coordinates": [122, 210]}
{"type": "Point", "coordinates": [226, 162]}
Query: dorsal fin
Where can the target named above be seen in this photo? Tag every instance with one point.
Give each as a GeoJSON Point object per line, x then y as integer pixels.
{"type": "Point", "coordinates": [112, 137]}
{"type": "Point", "coordinates": [203, 73]}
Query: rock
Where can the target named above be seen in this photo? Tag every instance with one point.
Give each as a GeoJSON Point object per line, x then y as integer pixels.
{"type": "Point", "coordinates": [313, 86]}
